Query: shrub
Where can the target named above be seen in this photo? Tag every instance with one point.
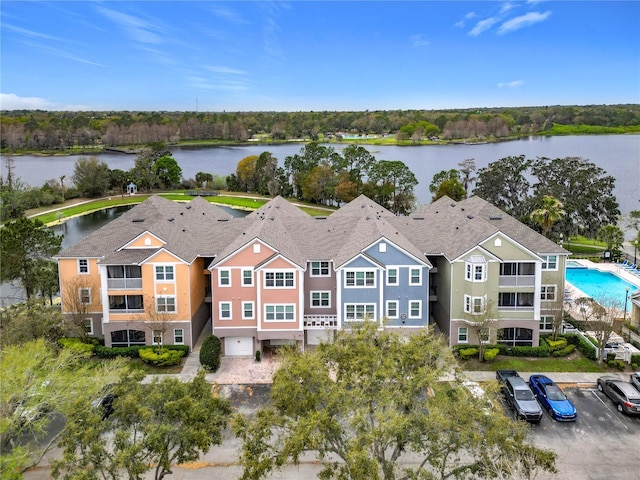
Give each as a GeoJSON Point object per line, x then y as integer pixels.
{"type": "Point", "coordinates": [77, 346]}
{"type": "Point", "coordinates": [635, 358]}
{"type": "Point", "coordinates": [210, 353]}
{"type": "Point", "coordinates": [257, 355]}
{"type": "Point", "coordinates": [634, 366]}
{"type": "Point", "coordinates": [467, 353]}
{"type": "Point", "coordinates": [619, 364]}
{"type": "Point", "coordinates": [582, 345]}
{"type": "Point", "coordinates": [128, 352]}
{"type": "Point", "coordinates": [490, 354]}
{"type": "Point", "coordinates": [556, 344]}
{"type": "Point", "coordinates": [161, 358]}
{"type": "Point", "coordinates": [565, 351]}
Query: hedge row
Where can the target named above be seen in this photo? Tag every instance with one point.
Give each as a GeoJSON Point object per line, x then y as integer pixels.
{"type": "Point", "coordinates": [134, 351]}
{"type": "Point", "coordinates": [585, 347]}
{"type": "Point", "coordinates": [161, 358]}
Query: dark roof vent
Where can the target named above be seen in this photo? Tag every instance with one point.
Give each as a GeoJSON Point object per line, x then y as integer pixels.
{"type": "Point", "coordinates": [453, 204]}
{"type": "Point", "coordinates": [367, 217]}
{"type": "Point", "coordinates": [181, 213]}
{"type": "Point", "coordinates": [320, 218]}
{"type": "Point", "coordinates": [469, 216]}
{"type": "Point", "coordinates": [223, 219]}
{"type": "Point", "coordinates": [183, 230]}
{"type": "Point", "coordinates": [495, 217]}
{"type": "Point", "coordinates": [418, 218]}
{"type": "Point", "coordinates": [138, 220]}
{"type": "Point", "coordinates": [171, 219]}
{"type": "Point", "coordinates": [188, 207]}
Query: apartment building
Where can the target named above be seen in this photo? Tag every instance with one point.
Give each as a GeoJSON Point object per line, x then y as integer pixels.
{"type": "Point", "coordinates": [279, 276]}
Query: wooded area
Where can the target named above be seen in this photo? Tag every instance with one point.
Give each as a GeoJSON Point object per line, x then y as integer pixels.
{"type": "Point", "coordinates": [37, 130]}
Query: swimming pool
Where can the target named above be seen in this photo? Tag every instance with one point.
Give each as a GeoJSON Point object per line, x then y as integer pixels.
{"type": "Point", "coordinates": [603, 286]}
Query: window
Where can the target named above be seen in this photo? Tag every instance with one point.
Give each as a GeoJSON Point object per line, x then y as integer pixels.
{"type": "Point", "coordinates": [256, 248]}
{"type": "Point", "coordinates": [247, 278]}
{"type": "Point", "coordinates": [548, 293]}
{"type": "Point", "coordinates": [320, 299]}
{"type": "Point", "coordinates": [83, 266]}
{"type": "Point", "coordinates": [88, 326]}
{"type": "Point", "coordinates": [85, 295]}
{"type": "Point", "coordinates": [360, 311]}
{"type": "Point", "coordinates": [166, 304]}
{"type": "Point", "coordinates": [164, 273]}
{"type": "Point", "coordinates": [382, 247]}
{"type": "Point", "coordinates": [126, 303]}
{"type": "Point", "coordinates": [225, 310]}
{"type": "Point", "coordinates": [474, 305]}
{"type": "Point", "coordinates": [517, 269]}
{"type": "Point", "coordinates": [224, 278]}
{"type": "Point", "coordinates": [392, 276]}
{"type": "Point", "coordinates": [279, 279]}
{"type": "Point", "coordinates": [549, 262]}
{"type": "Point", "coordinates": [157, 337]}
{"type": "Point", "coordinates": [546, 323]}
{"type": "Point", "coordinates": [415, 309]}
{"type": "Point", "coordinates": [124, 276]}
{"type": "Point", "coordinates": [280, 313]}
{"type": "Point", "coordinates": [247, 310]}
{"type": "Point", "coordinates": [178, 336]}
{"type": "Point", "coordinates": [360, 278]}
{"type": "Point", "coordinates": [392, 309]}
{"type": "Point", "coordinates": [463, 334]}
{"type": "Point", "coordinates": [415, 276]}
{"type": "Point", "coordinates": [319, 269]}
{"type": "Point", "coordinates": [127, 338]}
{"type": "Point", "coordinates": [515, 301]}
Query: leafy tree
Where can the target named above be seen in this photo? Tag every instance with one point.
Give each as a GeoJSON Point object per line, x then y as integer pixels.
{"type": "Point", "coordinates": [13, 198]}
{"type": "Point", "coordinates": [548, 213]}
{"type": "Point", "coordinates": [153, 426]}
{"type": "Point", "coordinates": [203, 178]}
{"type": "Point", "coordinates": [371, 396]}
{"type": "Point", "coordinates": [24, 244]}
{"type": "Point", "coordinates": [47, 281]}
{"type": "Point", "coordinates": [168, 171]}
{"type": "Point", "coordinates": [28, 321]}
{"type": "Point", "coordinates": [246, 174]}
{"type": "Point", "coordinates": [358, 162]}
{"type": "Point", "coordinates": [391, 184]}
{"type": "Point", "coordinates": [267, 182]}
{"type": "Point", "coordinates": [585, 191]}
{"type": "Point", "coordinates": [143, 173]}
{"type": "Point", "coordinates": [504, 183]}
{"type": "Point", "coordinates": [467, 169]}
{"type": "Point", "coordinates": [44, 383]}
{"type": "Point", "coordinates": [298, 166]}
{"type": "Point", "coordinates": [91, 176]}
{"type": "Point", "coordinates": [612, 235]}
{"type": "Point", "coordinates": [442, 176]}
{"type": "Point", "coordinates": [451, 188]}
{"type": "Point", "coordinates": [118, 180]}
{"type": "Point", "coordinates": [319, 184]}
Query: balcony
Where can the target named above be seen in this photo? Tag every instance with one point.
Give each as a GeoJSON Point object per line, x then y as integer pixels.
{"type": "Point", "coordinates": [319, 322]}
{"type": "Point", "coordinates": [517, 280]}
{"type": "Point", "coordinates": [124, 283]}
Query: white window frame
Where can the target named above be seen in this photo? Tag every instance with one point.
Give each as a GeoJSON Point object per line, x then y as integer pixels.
{"type": "Point", "coordinates": [156, 337]}
{"type": "Point", "coordinates": [163, 299]}
{"type": "Point", "coordinates": [382, 247]}
{"type": "Point", "coordinates": [245, 277]}
{"type": "Point", "coordinates": [253, 310]}
{"type": "Point", "coordinates": [88, 326]}
{"type": "Point", "coordinates": [389, 270]}
{"type": "Point", "coordinates": [81, 290]}
{"type": "Point", "coordinates": [83, 266]}
{"type": "Point", "coordinates": [360, 316]}
{"type": "Point", "coordinates": [419, 302]}
{"type": "Point", "coordinates": [284, 278]}
{"type": "Point", "coordinates": [388, 307]}
{"type": "Point", "coordinates": [166, 272]}
{"type": "Point", "coordinates": [320, 294]}
{"type": "Point", "coordinates": [365, 279]}
{"type": "Point", "coordinates": [470, 305]}
{"type": "Point", "coordinates": [548, 293]}
{"type": "Point", "coordinates": [546, 261]}
{"type": "Point", "coordinates": [177, 335]}
{"type": "Point", "coordinates": [221, 311]}
{"type": "Point", "coordinates": [546, 321]}
{"type": "Point", "coordinates": [288, 309]}
{"type": "Point", "coordinates": [411, 282]}
{"type": "Point", "coordinates": [320, 267]}
{"type": "Point", "coordinates": [471, 272]}
{"type": "Point", "coordinates": [463, 334]}
{"type": "Point", "coordinates": [226, 277]}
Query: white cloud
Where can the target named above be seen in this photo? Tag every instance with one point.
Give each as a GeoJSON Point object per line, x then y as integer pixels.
{"type": "Point", "coordinates": [228, 15]}
{"type": "Point", "coordinates": [482, 26]}
{"type": "Point", "coordinates": [523, 21]}
{"type": "Point", "coordinates": [419, 41]}
{"type": "Point", "coordinates": [506, 7]}
{"type": "Point", "coordinates": [137, 28]}
{"type": "Point", "coordinates": [226, 70]}
{"type": "Point", "coordinates": [462, 22]}
{"type": "Point", "coordinates": [514, 84]}
{"type": "Point", "coordinates": [11, 101]}
{"type": "Point", "coordinates": [29, 33]}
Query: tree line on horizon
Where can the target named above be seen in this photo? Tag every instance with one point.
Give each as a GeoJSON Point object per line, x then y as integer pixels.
{"type": "Point", "coordinates": [38, 130]}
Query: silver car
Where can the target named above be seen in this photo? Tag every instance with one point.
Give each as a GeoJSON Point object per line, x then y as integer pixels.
{"type": "Point", "coordinates": [623, 394]}
{"type": "Point", "coordinates": [521, 398]}
{"type": "Point", "coordinates": [635, 380]}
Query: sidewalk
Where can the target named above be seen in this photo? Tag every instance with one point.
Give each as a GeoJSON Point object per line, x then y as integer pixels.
{"type": "Point", "coordinates": [578, 378]}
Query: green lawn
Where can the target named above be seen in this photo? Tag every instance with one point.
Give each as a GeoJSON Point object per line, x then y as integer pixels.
{"type": "Point", "coordinates": [549, 364]}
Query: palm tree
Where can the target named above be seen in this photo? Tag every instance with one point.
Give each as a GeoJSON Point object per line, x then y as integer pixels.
{"type": "Point", "coordinates": [549, 213]}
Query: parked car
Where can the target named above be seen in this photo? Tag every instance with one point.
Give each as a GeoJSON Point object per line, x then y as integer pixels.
{"type": "Point", "coordinates": [105, 402]}
{"type": "Point", "coordinates": [552, 398]}
{"type": "Point", "coordinates": [623, 394]}
{"type": "Point", "coordinates": [519, 396]}
{"type": "Point", "coordinates": [635, 380]}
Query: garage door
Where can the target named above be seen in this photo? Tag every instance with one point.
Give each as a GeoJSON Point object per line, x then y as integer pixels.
{"type": "Point", "coordinates": [238, 346]}
{"type": "Point", "coordinates": [314, 337]}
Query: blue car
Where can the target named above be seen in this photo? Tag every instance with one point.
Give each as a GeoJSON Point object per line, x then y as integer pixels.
{"type": "Point", "coordinates": [552, 398]}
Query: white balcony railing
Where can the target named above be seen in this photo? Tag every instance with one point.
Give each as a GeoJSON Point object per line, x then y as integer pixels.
{"type": "Point", "coordinates": [124, 283]}
{"type": "Point", "coordinates": [517, 280]}
{"type": "Point", "coordinates": [320, 321]}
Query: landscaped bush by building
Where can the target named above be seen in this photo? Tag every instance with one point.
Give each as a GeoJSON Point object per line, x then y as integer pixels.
{"type": "Point", "coordinates": [586, 348]}
{"type": "Point", "coordinates": [108, 352]}
{"type": "Point", "coordinates": [77, 345]}
{"type": "Point", "coordinates": [210, 352]}
{"type": "Point", "coordinates": [164, 357]}
{"type": "Point", "coordinates": [565, 351]}
{"type": "Point", "coordinates": [635, 358]}
{"type": "Point", "coordinates": [558, 344]}
{"type": "Point", "coordinates": [490, 354]}
{"type": "Point", "coordinates": [467, 353]}
{"type": "Point", "coordinates": [619, 364]}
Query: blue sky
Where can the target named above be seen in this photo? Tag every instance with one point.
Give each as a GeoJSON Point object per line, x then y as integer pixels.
{"type": "Point", "coordinates": [312, 55]}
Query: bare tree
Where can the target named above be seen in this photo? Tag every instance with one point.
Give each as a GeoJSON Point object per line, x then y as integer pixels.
{"type": "Point", "coordinates": [79, 302]}
{"type": "Point", "coordinates": [158, 318]}
{"type": "Point", "coordinates": [607, 320]}
{"type": "Point", "coordinates": [480, 322]}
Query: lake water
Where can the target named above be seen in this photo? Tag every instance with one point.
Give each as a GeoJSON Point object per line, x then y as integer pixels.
{"type": "Point", "coordinates": [618, 155]}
